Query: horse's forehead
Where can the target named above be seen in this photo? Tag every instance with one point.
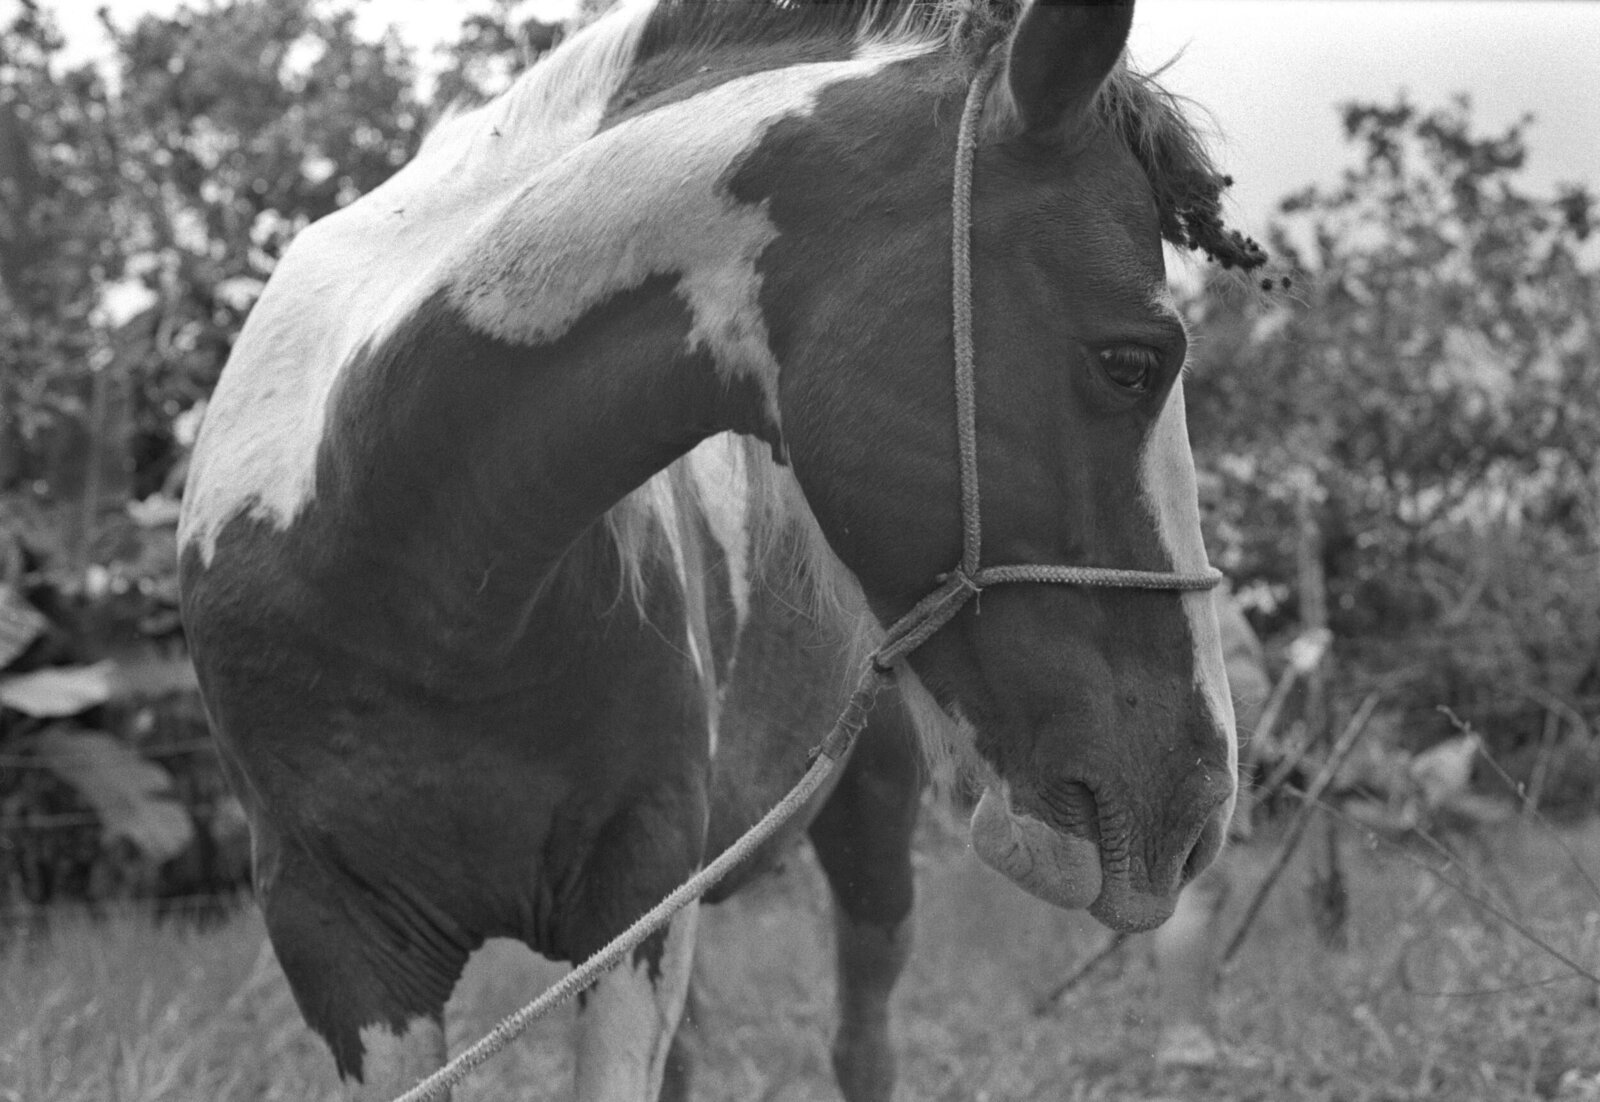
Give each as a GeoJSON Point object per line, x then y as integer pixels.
{"type": "Point", "coordinates": [1095, 203]}
{"type": "Point", "coordinates": [1083, 236]}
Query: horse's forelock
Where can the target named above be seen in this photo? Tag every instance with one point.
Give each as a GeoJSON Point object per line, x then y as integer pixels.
{"type": "Point", "coordinates": [1157, 126]}
{"type": "Point", "coordinates": [697, 26]}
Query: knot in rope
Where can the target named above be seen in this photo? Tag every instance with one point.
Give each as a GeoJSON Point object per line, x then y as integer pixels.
{"type": "Point", "coordinates": [955, 589]}
{"type": "Point", "coordinates": [962, 581]}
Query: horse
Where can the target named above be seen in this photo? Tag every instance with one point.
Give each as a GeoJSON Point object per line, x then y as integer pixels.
{"type": "Point", "coordinates": [555, 491]}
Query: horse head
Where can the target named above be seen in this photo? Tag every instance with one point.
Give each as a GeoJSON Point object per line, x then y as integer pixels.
{"type": "Point", "coordinates": [1100, 717]}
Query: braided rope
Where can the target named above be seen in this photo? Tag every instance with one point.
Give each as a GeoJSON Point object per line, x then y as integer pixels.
{"type": "Point", "coordinates": [961, 311]}
{"type": "Point", "coordinates": [1102, 576]}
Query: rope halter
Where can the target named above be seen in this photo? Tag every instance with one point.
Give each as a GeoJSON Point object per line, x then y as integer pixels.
{"type": "Point", "coordinates": [969, 577]}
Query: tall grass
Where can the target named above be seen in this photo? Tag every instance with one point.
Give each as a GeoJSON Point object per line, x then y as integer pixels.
{"type": "Point", "coordinates": [1436, 998]}
{"type": "Point", "coordinates": [123, 1010]}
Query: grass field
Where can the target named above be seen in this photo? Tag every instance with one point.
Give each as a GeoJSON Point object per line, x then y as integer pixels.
{"type": "Point", "coordinates": [1436, 998]}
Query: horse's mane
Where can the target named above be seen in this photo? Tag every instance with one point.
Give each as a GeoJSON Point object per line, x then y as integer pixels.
{"type": "Point", "coordinates": [656, 44]}
{"type": "Point", "coordinates": [1153, 123]}
{"type": "Point", "coordinates": [691, 28]}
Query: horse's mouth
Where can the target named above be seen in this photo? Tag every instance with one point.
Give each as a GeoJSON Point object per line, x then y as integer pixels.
{"type": "Point", "coordinates": [1059, 868]}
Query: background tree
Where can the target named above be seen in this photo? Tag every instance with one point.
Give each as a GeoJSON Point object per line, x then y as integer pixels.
{"type": "Point", "coordinates": [140, 224]}
{"type": "Point", "coordinates": [144, 200]}
{"type": "Point", "coordinates": [1429, 382]}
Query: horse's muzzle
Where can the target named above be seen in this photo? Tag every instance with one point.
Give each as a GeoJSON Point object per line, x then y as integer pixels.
{"type": "Point", "coordinates": [1065, 869]}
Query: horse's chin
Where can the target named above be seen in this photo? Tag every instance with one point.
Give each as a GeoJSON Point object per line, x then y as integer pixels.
{"type": "Point", "coordinates": [1058, 868]}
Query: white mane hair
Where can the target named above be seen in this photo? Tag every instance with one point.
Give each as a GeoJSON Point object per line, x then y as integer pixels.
{"type": "Point", "coordinates": [784, 543]}
{"type": "Point", "coordinates": [657, 521]}
{"type": "Point", "coordinates": [557, 103]}
{"type": "Point", "coordinates": [559, 100]}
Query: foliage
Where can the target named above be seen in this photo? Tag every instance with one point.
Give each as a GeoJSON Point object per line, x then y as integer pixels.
{"type": "Point", "coordinates": [1427, 387]}
{"type": "Point", "coordinates": [144, 201]}
{"type": "Point", "coordinates": [147, 217]}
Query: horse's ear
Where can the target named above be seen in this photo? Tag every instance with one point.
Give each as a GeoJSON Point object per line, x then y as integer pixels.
{"type": "Point", "coordinates": [1060, 55]}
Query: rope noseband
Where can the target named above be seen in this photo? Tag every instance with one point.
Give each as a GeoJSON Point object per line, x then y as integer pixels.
{"type": "Point", "coordinates": [905, 635]}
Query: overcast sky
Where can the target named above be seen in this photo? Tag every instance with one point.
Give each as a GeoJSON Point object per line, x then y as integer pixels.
{"type": "Point", "coordinates": [1269, 71]}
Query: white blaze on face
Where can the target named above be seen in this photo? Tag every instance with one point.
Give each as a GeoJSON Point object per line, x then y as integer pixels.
{"type": "Point", "coordinates": [1167, 484]}
{"type": "Point", "coordinates": [392, 1063]}
{"type": "Point", "coordinates": [628, 1020]}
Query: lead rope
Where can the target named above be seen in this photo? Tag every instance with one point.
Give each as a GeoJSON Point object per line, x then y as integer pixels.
{"type": "Point", "coordinates": [825, 758]}
{"type": "Point", "coordinates": [909, 632]}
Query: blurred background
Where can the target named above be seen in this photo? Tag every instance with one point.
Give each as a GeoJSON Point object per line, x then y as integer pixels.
{"type": "Point", "coordinates": [1398, 442]}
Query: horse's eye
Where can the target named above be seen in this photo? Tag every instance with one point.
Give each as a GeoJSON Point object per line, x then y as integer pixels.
{"type": "Point", "coordinates": [1131, 366]}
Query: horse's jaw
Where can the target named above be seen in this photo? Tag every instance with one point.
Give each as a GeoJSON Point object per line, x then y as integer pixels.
{"type": "Point", "coordinates": [1059, 868]}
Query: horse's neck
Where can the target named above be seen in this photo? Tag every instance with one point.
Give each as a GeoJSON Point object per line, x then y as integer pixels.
{"type": "Point", "coordinates": [482, 468]}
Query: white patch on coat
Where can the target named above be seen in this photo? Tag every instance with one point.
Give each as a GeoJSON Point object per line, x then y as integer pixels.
{"type": "Point", "coordinates": [1167, 484]}
{"type": "Point", "coordinates": [628, 1019]}
{"type": "Point", "coordinates": [392, 1063]}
